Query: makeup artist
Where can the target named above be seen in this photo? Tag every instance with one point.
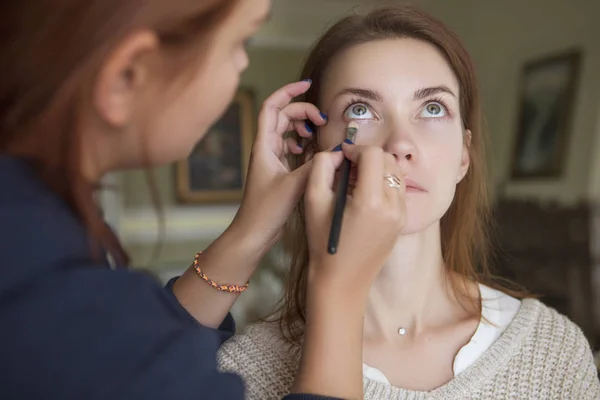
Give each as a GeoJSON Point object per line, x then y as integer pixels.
{"type": "Point", "coordinates": [92, 87]}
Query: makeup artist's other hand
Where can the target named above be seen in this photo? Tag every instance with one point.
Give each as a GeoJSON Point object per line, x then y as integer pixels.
{"type": "Point", "coordinates": [272, 190]}
{"type": "Point", "coordinates": [374, 216]}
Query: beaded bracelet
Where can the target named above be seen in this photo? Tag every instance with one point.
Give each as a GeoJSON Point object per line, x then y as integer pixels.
{"type": "Point", "coordinates": [235, 289]}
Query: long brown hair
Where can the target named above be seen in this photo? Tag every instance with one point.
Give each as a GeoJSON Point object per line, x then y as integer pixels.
{"type": "Point", "coordinates": [51, 52]}
{"type": "Point", "coordinates": [464, 228]}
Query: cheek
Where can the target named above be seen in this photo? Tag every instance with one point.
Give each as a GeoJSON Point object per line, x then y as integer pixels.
{"type": "Point", "coordinates": [444, 164]}
{"type": "Point", "coordinates": [214, 90]}
{"type": "Point", "coordinates": [187, 118]}
{"type": "Point", "coordinates": [445, 142]}
{"type": "Point", "coordinates": [371, 133]}
{"type": "Point", "coordinates": [240, 59]}
{"type": "Point", "coordinates": [331, 134]}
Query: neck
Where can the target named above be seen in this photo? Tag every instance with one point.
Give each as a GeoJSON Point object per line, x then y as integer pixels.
{"type": "Point", "coordinates": [412, 290]}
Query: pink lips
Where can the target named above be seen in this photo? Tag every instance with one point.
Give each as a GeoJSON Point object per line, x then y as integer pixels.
{"type": "Point", "coordinates": [413, 187]}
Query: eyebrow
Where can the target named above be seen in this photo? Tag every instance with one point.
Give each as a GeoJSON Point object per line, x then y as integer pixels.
{"type": "Point", "coordinates": [419, 94]}
{"type": "Point", "coordinates": [423, 93]}
{"type": "Point", "coordinates": [364, 93]}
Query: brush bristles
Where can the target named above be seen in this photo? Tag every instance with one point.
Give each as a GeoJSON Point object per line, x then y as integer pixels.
{"type": "Point", "coordinates": [352, 131]}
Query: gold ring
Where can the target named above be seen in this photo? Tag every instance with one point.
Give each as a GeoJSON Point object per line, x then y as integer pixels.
{"type": "Point", "coordinates": [393, 181]}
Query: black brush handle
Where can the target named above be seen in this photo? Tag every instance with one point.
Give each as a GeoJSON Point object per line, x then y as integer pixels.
{"type": "Point", "coordinates": [340, 205]}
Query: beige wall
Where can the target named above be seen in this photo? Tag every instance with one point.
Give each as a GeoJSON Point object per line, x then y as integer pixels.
{"type": "Point", "coordinates": [507, 34]}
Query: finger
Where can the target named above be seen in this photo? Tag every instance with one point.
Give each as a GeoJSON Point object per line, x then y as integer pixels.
{"type": "Point", "coordinates": [370, 171]}
{"type": "Point", "coordinates": [276, 102]}
{"type": "Point", "coordinates": [333, 149]}
{"type": "Point", "coordinates": [303, 129]}
{"type": "Point", "coordinates": [300, 112]}
{"type": "Point", "coordinates": [322, 174]}
{"type": "Point", "coordinates": [284, 95]}
{"type": "Point", "coordinates": [292, 146]}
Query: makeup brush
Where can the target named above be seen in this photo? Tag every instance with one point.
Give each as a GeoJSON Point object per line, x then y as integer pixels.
{"type": "Point", "coordinates": [342, 193]}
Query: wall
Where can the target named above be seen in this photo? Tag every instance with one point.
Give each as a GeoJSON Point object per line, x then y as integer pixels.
{"type": "Point", "coordinates": [506, 35]}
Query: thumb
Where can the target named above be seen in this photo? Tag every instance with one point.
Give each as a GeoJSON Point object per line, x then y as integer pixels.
{"type": "Point", "coordinates": [352, 151]}
{"type": "Point", "coordinates": [294, 182]}
{"type": "Point", "coordinates": [322, 173]}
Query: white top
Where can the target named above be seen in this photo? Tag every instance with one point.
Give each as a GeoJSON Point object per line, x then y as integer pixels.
{"type": "Point", "coordinates": [496, 307]}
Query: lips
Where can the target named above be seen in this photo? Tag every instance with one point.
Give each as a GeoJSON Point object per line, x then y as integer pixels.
{"type": "Point", "coordinates": [412, 186]}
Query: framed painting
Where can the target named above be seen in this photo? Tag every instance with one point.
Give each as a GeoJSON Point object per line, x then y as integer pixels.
{"type": "Point", "coordinates": [215, 171]}
{"type": "Point", "coordinates": [546, 104]}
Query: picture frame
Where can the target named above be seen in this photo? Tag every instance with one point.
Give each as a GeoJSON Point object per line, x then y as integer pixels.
{"type": "Point", "coordinates": [215, 171]}
{"type": "Point", "coordinates": [548, 89]}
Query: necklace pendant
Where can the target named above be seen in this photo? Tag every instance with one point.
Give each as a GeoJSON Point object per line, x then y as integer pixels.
{"type": "Point", "coordinates": [402, 332]}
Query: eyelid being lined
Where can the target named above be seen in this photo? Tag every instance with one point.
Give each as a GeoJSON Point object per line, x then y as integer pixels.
{"type": "Point", "coordinates": [355, 101]}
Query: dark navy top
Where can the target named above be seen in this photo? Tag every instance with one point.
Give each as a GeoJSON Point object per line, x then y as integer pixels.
{"type": "Point", "coordinates": [71, 328]}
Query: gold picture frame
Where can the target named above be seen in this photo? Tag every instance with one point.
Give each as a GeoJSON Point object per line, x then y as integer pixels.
{"type": "Point", "coordinates": [215, 171]}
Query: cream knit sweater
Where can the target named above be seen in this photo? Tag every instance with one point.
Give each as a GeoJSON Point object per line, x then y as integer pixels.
{"type": "Point", "coordinates": [541, 355]}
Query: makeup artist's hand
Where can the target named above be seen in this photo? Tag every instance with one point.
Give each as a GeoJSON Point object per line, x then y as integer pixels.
{"type": "Point", "coordinates": [374, 216]}
{"type": "Point", "coordinates": [272, 191]}
{"type": "Point", "coordinates": [338, 284]}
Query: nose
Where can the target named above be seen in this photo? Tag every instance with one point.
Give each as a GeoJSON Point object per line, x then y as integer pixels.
{"type": "Point", "coordinates": [402, 146]}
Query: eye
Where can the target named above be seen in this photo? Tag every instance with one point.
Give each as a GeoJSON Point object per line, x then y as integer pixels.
{"type": "Point", "coordinates": [433, 109]}
{"type": "Point", "coordinates": [359, 111]}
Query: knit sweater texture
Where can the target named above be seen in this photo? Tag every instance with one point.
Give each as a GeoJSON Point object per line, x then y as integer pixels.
{"type": "Point", "coordinates": [541, 355]}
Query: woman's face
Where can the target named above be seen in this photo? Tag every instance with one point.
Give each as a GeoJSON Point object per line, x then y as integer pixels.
{"type": "Point", "coordinates": [405, 98]}
{"type": "Point", "coordinates": [175, 127]}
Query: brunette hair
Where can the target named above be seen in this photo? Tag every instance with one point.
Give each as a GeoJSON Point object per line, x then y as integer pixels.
{"type": "Point", "coordinates": [51, 52]}
{"type": "Point", "coordinates": [464, 228]}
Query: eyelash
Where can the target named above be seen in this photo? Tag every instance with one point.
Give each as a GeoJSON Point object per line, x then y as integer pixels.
{"type": "Point", "coordinates": [439, 100]}
{"type": "Point", "coordinates": [355, 101]}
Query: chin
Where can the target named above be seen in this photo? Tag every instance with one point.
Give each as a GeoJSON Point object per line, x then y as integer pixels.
{"type": "Point", "coordinates": [168, 155]}
{"type": "Point", "coordinates": [424, 214]}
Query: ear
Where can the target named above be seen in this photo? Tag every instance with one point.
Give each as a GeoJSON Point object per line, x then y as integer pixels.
{"type": "Point", "coordinates": [465, 158]}
{"type": "Point", "coordinates": [124, 77]}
